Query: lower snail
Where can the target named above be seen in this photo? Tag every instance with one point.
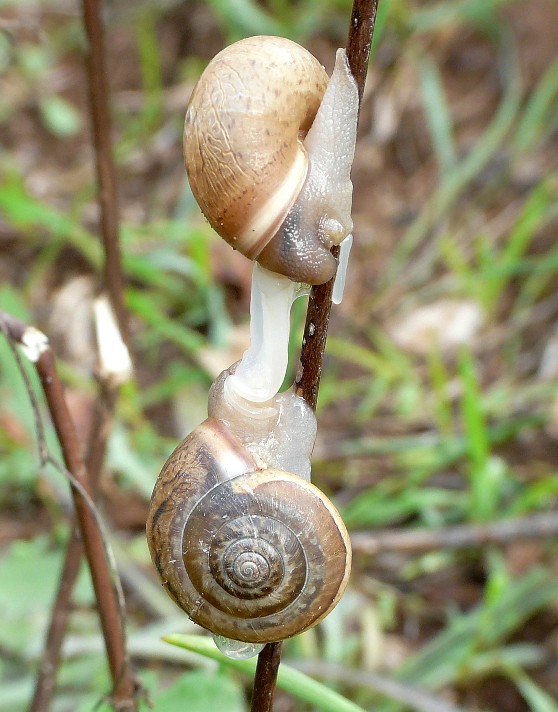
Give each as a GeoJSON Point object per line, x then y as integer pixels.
{"type": "Point", "coordinates": [250, 552]}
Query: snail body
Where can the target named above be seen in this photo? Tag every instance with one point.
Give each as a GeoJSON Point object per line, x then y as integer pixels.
{"type": "Point", "coordinates": [268, 147]}
{"type": "Point", "coordinates": [249, 551]}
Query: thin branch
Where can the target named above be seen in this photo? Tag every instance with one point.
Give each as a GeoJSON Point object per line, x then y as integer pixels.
{"type": "Point", "coordinates": [265, 677]}
{"type": "Point", "coordinates": [50, 661]}
{"type": "Point", "coordinates": [46, 674]}
{"type": "Point", "coordinates": [106, 592]}
{"type": "Point", "coordinates": [464, 536]}
{"type": "Point", "coordinates": [361, 29]}
{"type": "Point", "coordinates": [106, 171]}
{"type": "Point", "coordinates": [363, 20]}
{"type": "Point", "coordinates": [315, 331]}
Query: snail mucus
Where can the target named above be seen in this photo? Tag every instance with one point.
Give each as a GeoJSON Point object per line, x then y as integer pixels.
{"type": "Point", "coordinates": [242, 540]}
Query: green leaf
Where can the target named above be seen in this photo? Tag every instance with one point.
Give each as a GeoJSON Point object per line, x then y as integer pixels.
{"type": "Point", "coordinates": [203, 691]}
{"type": "Point", "coordinates": [537, 699]}
{"type": "Point", "coordinates": [455, 649]}
{"type": "Point", "coordinates": [137, 466]}
{"type": "Point", "coordinates": [437, 114]}
{"type": "Point", "coordinates": [59, 116]}
{"type": "Point", "coordinates": [461, 175]}
{"type": "Point", "coordinates": [24, 606]}
{"type": "Point", "coordinates": [28, 214]}
{"type": "Point", "coordinates": [534, 121]}
{"type": "Point", "coordinates": [289, 679]}
{"type": "Point", "coordinates": [243, 18]}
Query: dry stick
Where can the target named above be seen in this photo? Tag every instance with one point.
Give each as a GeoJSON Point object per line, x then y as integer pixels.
{"type": "Point", "coordinates": [105, 592]}
{"type": "Point", "coordinates": [315, 331]}
{"type": "Point", "coordinates": [106, 172]}
{"type": "Point", "coordinates": [124, 687]}
{"type": "Point", "coordinates": [464, 536]}
{"type": "Point", "coordinates": [46, 674]}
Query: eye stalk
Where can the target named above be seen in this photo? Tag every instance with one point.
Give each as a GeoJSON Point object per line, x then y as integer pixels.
{"type": "Point", "coordinates": [321, 215]}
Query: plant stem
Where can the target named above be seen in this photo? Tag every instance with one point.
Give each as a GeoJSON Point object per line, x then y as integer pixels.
{"type": "Point", "coordinates": [48, 668]}
{"type": "Point", "coordinates": [462, 536]}
{"type": "Point", "coordinates": [359, 40]}
{"type": "Point", "coordinates": [104, 161]}
{"type": "Point", "coordinates": [105, 591]}
{"type": "Point", "coordinates": [123, 695]}
{"type": "Point", "coordinates": [265, 677]}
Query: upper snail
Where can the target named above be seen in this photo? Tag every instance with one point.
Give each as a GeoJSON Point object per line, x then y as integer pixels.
{"type": "Point", "coordinates": [268, 148]}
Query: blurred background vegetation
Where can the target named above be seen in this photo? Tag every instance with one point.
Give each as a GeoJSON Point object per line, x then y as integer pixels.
{"type": "Point", "coordinates": [439, 399]}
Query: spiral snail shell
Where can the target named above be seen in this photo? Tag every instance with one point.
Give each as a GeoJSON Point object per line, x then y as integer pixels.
{"type": "Point", "coordinates": [250, 552]}
{"type": "Point", "coordinates": [271, 177]}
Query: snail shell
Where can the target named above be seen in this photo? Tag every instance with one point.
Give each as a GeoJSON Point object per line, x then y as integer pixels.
{"type": "Point", "coordinates": [255, 555]}
{"type": "Point", "coordinates": [246, 161]}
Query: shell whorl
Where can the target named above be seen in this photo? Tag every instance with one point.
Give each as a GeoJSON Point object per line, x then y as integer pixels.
{"type": "Point", "coordinates": [258, 557]}
{"type": "Point", "coordinates": [242, 136]}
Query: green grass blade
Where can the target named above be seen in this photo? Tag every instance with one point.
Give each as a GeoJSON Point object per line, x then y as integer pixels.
{"type": "Point", "coordinates": [447, 14]}
{"type": "Point", "coordinates": [534, 120]}
{"type": "Point", "coordinates": [150, 65]}
{"type": "Point", "coordinates": [28, 214]}
{"type": "Point", "coordinates": [478, 442]}
{"type": "Point", "coordinates": [537, 699]}
{"type": "Point", "coordinates": [381, 17]}
{"type": "Point", "coordinates": [144, 305]}
{"type": "Point", "coordinates": [536, 212]}
{"type": "Point", "coordinates": [442, 660]}
{"type": "Point", "coordinates": [464, 172]}
{"type": "Point", "coordinates": [437, 114]}
{"type": "Point", "coordinates": [292, 681]}
{"type": "Point", "coordinates": [244, 17]}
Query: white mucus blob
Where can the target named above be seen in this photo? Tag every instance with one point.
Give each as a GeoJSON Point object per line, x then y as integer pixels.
{"type": "Point", "coordinates": [236, 649]}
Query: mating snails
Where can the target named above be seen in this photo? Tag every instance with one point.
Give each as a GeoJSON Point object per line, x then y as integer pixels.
{"type": "Point", "coordinates": [268, 148]}
{"type": "Point", "coordinates": [241, 539]}
{"type": "Point", "coordinates": [248, 550]}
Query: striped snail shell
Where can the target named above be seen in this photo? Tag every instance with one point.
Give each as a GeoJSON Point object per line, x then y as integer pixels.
{"type": "Point", "coordinates": [256, 555]}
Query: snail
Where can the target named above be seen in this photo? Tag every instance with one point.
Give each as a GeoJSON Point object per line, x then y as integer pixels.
{"type": "Point", "coordinates": [268, 148]}
{"type": "Point", "coordinates": [248, 549]}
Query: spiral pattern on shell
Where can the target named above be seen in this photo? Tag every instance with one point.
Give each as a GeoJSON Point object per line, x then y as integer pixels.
{"type": "Point", "coordinates": [258, 558]}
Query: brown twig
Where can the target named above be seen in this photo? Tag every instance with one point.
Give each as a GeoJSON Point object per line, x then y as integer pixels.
{"type": "Point", "coordinates": [46, 674]}
{"type": "Point", "coordinates": [106, 171]}
{"type": "Point", "coordinates": [106, 593]}
{"type": "Point", "coordinates": [363, 18]}
{"type": "Point", "coordinates": [265, 677]}
{"type": "Point", "coordinates": [464, 536]}
{"type": "Point", "coordinates": [359, 40]}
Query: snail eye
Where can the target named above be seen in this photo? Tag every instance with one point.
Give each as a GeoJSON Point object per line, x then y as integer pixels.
{"type": "Point", "coordinates": [333, 232]}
